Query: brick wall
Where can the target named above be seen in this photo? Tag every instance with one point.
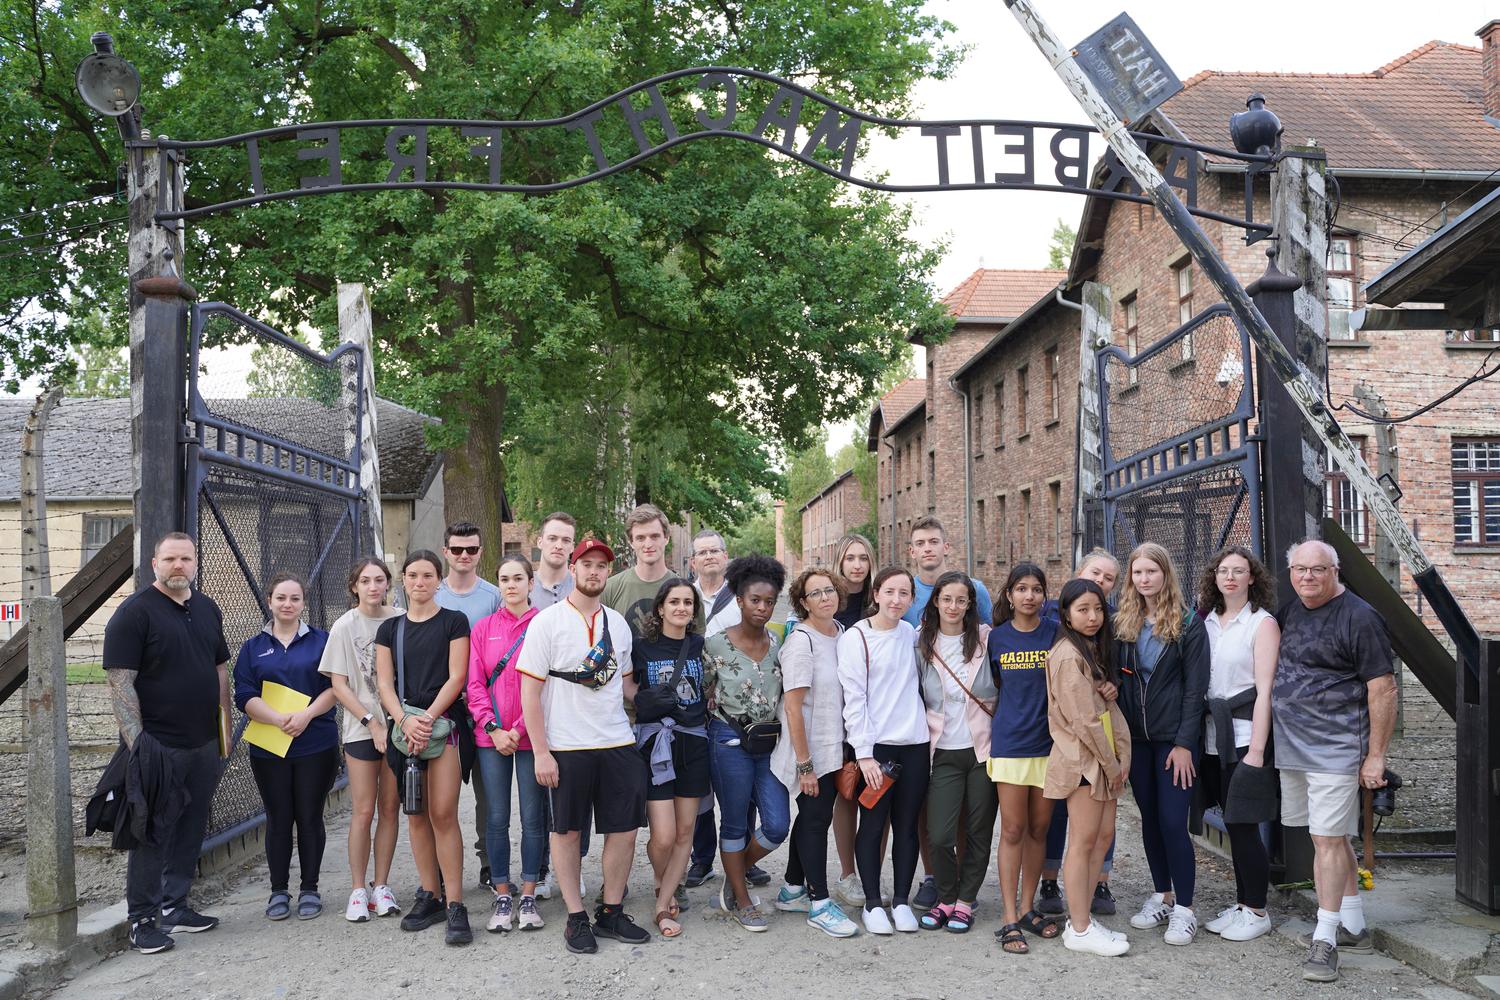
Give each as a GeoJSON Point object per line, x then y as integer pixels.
{"type": "Point", "coordinates": [904, 458]}
{"type": "Point", "coordinates": [828, 517]}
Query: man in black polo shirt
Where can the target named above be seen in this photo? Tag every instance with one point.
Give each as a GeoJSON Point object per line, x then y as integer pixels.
{"type": "Point", "coordinates": [168, 670]}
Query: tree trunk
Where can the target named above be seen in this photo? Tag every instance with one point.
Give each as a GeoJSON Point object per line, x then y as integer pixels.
{"type": "Point", "coordinates": [474, 476]}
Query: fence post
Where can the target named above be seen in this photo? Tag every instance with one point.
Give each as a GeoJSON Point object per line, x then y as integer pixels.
{"type": "Point", "coordinates": [51, 891]}
{"type": "Point", "coordinates": [36, 571]}
{"type": "Point", "coordinates": [1388, 468]}
{"type": "Point", "coordinates": [1097, 305]}
{"type": "Point", "coordinates": [356, 327]}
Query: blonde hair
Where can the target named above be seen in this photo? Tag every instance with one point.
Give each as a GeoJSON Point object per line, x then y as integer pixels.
{"type": "Point", "coordinates": [1097, 553]}
{"type": "Point", "coordinates": [1171, 609]}
{"type": "Point", "coordinates": [841, 550]}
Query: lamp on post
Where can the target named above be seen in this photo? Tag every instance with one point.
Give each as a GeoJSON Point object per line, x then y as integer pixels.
{"type": "Point", "coordinates": [111, 86]}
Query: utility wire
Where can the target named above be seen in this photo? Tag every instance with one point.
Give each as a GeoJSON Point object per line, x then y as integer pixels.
{"type": "Point", "coordinates": [1478, 376]}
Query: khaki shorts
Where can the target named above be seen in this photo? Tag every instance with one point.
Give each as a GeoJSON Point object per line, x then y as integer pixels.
{"type": "Point", "coordinates": [1327, 804]}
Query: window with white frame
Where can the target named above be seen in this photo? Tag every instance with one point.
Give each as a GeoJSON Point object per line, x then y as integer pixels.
{"type": "Point", "coordinates": [1476, 491]}
{"type": "Point", "coordinates": [1340, 287]}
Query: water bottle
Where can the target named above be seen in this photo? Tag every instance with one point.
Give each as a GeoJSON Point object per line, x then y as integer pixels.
{"type": "Point", "coordinates": [413, 802]}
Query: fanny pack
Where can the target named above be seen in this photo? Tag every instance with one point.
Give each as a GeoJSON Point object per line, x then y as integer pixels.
{"type": "Point", "coordinates": [598, 666]}
{"type": "Point", "coordinates": [442, 726]}
{"type": "Point", "coordinates": [755, 737]}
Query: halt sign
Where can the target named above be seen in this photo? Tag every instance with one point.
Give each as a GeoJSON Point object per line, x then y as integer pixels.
{"type": "Point", "coordinates": [1130, 74]}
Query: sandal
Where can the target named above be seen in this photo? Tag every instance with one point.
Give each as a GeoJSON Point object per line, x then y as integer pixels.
{"type": "Point", "coordinates": [1040, 924]}
{"type": "Point", "coordinates": [936, 918]}
{"type": "Point", "coordinates": [961, 919]}
{"type": "Point", "coordinates": [280, 905]}
{"type": "Point", "coordinates": [1012, 940]}
{"type": "Point", "coordinates": [309, 905]}
{"type": "Point", "coordinates": [665, 917]}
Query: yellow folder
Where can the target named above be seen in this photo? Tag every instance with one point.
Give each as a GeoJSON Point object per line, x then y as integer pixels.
{"type": "Point", "coordinates": [1104, 719]}
{"type": "Point", "coordinates": [283, 699]}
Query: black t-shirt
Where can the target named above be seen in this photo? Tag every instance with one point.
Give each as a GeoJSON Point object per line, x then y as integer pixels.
{"type": "Point", "coordinates": [175, 650]}
{"type": "Point", "coordinates": [854, 608]}
{"type": "Point", "coordinates": [651, 661]}
{"type": "Point", "coordinates": [426, 653]}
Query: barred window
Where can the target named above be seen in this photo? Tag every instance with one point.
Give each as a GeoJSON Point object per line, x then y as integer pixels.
{"type": "Point", "coordinates": [1344, 502]}
{"type": "Point", "coordinates": [1476, 492]}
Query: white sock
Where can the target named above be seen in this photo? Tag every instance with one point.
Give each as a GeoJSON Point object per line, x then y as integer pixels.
{"type": "Point", "coordinates": [1328, 926]}
{"type": "Point", "coordinates": [1352, 914]}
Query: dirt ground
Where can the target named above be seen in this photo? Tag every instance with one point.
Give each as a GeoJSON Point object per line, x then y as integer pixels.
{"type": "Point", "coordinates": [250, 957]}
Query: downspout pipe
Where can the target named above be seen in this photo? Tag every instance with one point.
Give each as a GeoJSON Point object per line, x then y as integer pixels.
{"type": "Point", "coordinates": [891, 472]}
{"type": "Point", "coordinates": [1077, 538]}
{"type": "Point", "coordinates": [968, 458]}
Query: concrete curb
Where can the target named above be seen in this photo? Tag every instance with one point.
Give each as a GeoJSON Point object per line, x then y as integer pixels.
{"type": "Point", "coordinates": [100, 934]}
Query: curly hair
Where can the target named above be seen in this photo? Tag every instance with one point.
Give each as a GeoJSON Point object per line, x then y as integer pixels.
{"type": "Point", "coordinates": [798, 592]}
{"type": "Point", "coordinates": [1262, 591]}
{"type": "Point", "coordinates": [754, 568]}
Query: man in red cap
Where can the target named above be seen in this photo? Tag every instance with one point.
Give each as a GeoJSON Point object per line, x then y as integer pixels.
{"type": "Point", "coordinates": [573, 699]}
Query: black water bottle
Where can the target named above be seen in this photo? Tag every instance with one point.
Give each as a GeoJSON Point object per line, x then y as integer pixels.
{"type": "Point", "coordinates": [413, 801]}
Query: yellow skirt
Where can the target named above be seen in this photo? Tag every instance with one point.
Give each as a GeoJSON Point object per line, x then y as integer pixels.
{"type": "Point", "coordinates": [1017, 770]}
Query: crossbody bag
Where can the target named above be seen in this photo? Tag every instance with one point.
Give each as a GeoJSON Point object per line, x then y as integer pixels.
{"type": "Point", "coordinates": [962, 686]}
{"type": "Point", "coordinates": [442, 726]}
{"type": "Point", "coordinates": [495, 675]}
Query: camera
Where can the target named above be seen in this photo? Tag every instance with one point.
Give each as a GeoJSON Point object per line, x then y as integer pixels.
{"type": "Point", "coordinates": [1383, 800]}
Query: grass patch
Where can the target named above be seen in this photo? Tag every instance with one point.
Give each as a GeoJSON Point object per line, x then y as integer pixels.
{"type": "Point", "coordinates": [85, 673]}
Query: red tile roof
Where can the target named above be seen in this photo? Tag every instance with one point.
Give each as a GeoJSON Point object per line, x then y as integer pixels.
{"type": "Point", "coordinates": [1422, 111]}
{"type": "Point", "coordinates": [995, 293]}
{"type": "Point", "coordinates": [901, 400]}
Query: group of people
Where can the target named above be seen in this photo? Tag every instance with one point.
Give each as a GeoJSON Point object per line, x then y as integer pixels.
{"type": "Point", "coordinates": [904, 711]}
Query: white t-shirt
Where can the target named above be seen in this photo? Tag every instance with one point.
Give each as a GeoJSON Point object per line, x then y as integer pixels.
{"type": "Point", "coordinates": [810, 661]}
{"type": "Point", "coordinates": [578, 717]}
{"type": "Point", "coordinates": [956, 734]}
{"type": "Point", "coordinates": [351, 652]}
{"type": "Point", "coordinates": [1231, 648]}
{"type": "Point", "coordinates": [882, 703]}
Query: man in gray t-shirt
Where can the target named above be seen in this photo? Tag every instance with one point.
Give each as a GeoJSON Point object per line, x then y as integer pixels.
{"type": "Point", "coordinates": [1333, 706]}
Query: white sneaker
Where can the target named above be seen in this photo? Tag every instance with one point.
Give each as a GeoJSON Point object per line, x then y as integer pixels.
{"type": "Point", "coordinates": [528, 918]}
{"type": "Point", "coordinates": [1248, 926]}
{"type": "Point", "coordinates": [1153, 913]}
{"type": "Point", "coordinates": [906, 919]}
{"type": "Point", "coordinates": [849, 891]}
{"type": "Point", "coordinates": [1095, 940]}
{"type": "Point", "coordinates": [358, 910]}
{"type": "Point", "coordinates": [385, 902]}
{"type": "Point", "coordinates": [1225, 918]}
{"type": "Point", "coordinates": [1182, 926]}
{"type": "Point", "coordinates": [876, 922]}
{"type": "Point", "coordinates": [502, 915]}
{"type": "Point", "coordinates": [544, 887]}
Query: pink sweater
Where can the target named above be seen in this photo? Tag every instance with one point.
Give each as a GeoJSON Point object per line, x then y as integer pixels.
{"type": "Point", "coordinates": [490, 640]}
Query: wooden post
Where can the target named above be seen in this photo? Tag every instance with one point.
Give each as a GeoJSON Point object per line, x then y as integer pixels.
{"type": "Point", "coordinates": [1387, 469]}
{"type": "Point", "coordinates": [51, 888]}
{"type": "Point", "coordinates": [158, 342]}
{"type": "Point", "coordinates": [1095, 333]}
{"type": "Point", "coordinates": [356, 327]}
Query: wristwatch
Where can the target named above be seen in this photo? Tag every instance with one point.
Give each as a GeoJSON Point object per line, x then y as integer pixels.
{"type": "Point", "coordinates": [366, 720]}
{"type": "Point", "coordinates": [491, 727]}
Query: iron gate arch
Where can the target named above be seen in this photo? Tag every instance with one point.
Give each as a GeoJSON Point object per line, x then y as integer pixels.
{"type": "Point", "coordinates": [272, 485]}
{"type": "Point", "coordinates": [1181, 463]}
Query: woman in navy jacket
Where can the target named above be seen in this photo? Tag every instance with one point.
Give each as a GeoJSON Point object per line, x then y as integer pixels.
{"type": "Point", "coordinates": [1164, 667]}
{"type": "Point", "coordinates": [294, 787]}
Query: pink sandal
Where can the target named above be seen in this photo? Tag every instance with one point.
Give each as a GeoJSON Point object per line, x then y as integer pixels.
{"type": "Point", "coordinates": [937, 917]}
{"type": "Point", "coordinates": [961, 919]}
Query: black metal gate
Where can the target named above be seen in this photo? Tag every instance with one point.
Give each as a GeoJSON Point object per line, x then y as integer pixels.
{"type": "Point", "coordinates": [1181, 466]}
{"type": "Point", "coordinates": [273, 485]}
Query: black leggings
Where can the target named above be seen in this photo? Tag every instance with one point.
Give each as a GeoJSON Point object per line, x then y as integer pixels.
{"type": "Point", "coordinates": [1252, 866]}
{"type": "Point", "coordinates": [807, 857]}
{"type": "Point", "coordinates": [902, 805]}
{"type": "Point", "coordinates": [294, 790]}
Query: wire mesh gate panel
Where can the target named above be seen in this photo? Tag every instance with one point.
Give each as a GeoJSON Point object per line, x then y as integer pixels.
{"type": "Point", "coordinates": [1181, 467]}
{"type": "Point", "coordinates": [273, 459]}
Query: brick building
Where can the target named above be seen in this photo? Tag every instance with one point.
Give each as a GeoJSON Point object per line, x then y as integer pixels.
{"type": "Point", "coordinates": [1410, 148]}
{"type": "Point", "coordinates": [838, 509]}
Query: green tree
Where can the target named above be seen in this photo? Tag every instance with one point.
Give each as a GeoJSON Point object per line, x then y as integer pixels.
{"type": "Point", "coordinates": [744, 299]}
{"type": "Point", "coordinates": [1060, 250]}
{"type": "Point", "coordinates": [100, 367]}
{"type": "Point", "coordinates": [807, 472]}
{"type": "Point", "coordinates": [856, 456]}
{"type": "Point", "coordinates": [756, 534]}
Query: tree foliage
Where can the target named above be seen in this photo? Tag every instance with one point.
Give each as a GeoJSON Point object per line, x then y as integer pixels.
{"type": "Point", "coordinates": [659, 334]}
{"type": "Point", "coordinates": [1060, 250]}
{"type": "Point", "coordinates": [100, 368]}
{"type": "Point", "coordinates": [757, 534]}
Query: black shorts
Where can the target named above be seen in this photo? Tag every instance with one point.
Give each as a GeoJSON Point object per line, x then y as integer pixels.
{"type": "Point", "coordinates": [612, 782]}
{"type": "Point", "coordinates": [689, 760]}
{"type": "Point", "coordinates": [362, 750]}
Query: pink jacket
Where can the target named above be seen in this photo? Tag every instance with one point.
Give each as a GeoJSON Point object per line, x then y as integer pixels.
{"type": "Point", "coordinates": [491, 639]}
{"type": "Point", "coordinates": [975, 675]}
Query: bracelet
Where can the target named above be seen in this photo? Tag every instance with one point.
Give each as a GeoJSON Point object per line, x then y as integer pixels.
{"type": "Point", "coordinates": [805, 766]}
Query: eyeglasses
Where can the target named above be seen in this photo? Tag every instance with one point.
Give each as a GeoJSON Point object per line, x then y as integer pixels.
{"type": "Point", "coordinates": [465, 550]}
{"type": "Point", "coordinates": [1310, 570]}
{"type": "Point", "coordinates": [709, 552]}
{"type": "Point", "coordinates": [818, 595]}
{"type": "Point", "coordinates": [953, 602]}
{"type": "Point", "coordinates": [1235, 571]}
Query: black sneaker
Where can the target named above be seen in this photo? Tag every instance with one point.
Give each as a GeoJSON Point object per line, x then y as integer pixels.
{"type": "Point", "coordinates": [1104, 900]}
{"type": "Point", "coordinates": [758, 876]}
{"type": "Point", "coordinates": [484, 878]}
{"type": "Point", "coordinates": [425, 911]}
{"type": "Point", "coordinates": [458, 925]}
{"type": "Point", "coordinates": [927, 894]}
{"type": "Point", "coordinates": [1049, 899]}
{"type": "Point", "coordinates": [699, 872]}
{"type": "Point", "coordinates": [186, 920]}
{"type": "Point", "coordinates": [147, 938]}
{"type": "Point", "coordinates": [579, 935]}
{"type": "Point", "coordinates": [614, 922]}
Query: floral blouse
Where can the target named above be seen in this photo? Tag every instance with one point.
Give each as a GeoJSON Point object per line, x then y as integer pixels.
{"type": "Point", "coordinates": [741, 688]}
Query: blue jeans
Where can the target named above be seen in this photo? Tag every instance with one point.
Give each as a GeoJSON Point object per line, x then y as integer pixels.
{"type": "Point", "coordinates": [741, 778]}
{"type": "Point", "coordinates": [495, 770]}
{"type": "Point", "coordinates": [1164, 819]}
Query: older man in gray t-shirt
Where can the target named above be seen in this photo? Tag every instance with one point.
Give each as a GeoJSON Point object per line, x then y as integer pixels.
{"type": "Point", "coordinates": [1333, 707]}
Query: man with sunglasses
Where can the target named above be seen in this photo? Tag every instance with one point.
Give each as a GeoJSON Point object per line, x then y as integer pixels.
{"type": "Point", "coordinates": [573, 700]}
{"type": "Point", "coordinates": [463, 591]}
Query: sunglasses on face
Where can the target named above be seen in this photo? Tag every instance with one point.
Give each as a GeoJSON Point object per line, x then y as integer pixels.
{"type": "Point", "coordinates": [464, 550]}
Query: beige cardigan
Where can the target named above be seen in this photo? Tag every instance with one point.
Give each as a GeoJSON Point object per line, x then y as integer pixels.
{"type": "Point", "coordinates": [1080, 747]}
